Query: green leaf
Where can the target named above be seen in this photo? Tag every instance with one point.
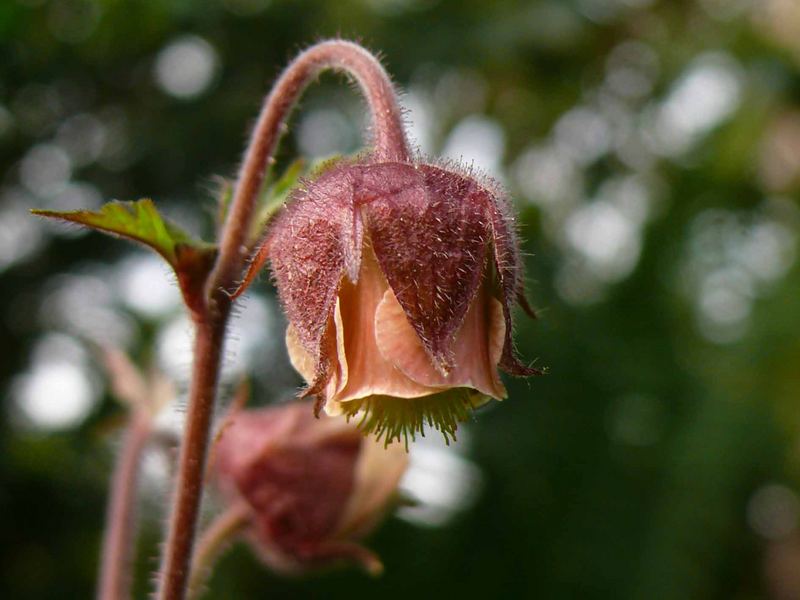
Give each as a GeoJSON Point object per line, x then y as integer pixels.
{"type": "Point", "coordinates": [225, 198]}
{"type": "Point", "coordinates": [141, 222]}
{"type": "Point", "coordinates": [275, 195]}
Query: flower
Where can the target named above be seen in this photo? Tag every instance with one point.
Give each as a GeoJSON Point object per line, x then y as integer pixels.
{"type": "Point", "coordinates": [398, 281]}
{"type": "Point", "coordinates": [313, 487]}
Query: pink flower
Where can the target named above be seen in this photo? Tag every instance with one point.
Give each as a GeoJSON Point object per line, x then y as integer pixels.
{"type": "Point", "coordinates": [398, 281]}
{"type": "Point", "coordinates": [314, 487]}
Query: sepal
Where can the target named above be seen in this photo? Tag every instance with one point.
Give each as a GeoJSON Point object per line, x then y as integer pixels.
{"type": "Point", "coordinates": [430, 235]}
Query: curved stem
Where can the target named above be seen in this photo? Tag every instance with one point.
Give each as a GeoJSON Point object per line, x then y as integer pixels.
{"type": "Point", "coordinates": [209, 338]}
{"type": "Point", "coordinates": [389, 141]}
{"type": "Point", "coordinates": [213, 542]}
{"type": "Point", "coordinates": [120, 532]}
{"type": "Point", "coordinates": [389, 144]}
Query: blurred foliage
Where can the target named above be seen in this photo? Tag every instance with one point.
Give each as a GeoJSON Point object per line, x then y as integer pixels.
{"type": "Point", "coordinates": [653, 149]}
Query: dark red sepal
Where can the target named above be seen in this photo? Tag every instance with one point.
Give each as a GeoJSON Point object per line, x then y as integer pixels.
{"type": "Point", "coordinates": [429, 233]}
{"type": "Point", "coordinates": [507, 262]}
{"type": "Point", "coordinates": [312, 244]}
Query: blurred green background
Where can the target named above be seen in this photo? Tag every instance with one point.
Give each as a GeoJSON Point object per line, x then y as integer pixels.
{"type": "Point", "coordinates": [653, 151]}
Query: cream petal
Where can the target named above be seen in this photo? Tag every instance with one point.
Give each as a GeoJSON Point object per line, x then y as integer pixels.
{"type": "Point", "coordinates": [333, 406]}
{"type": "Point", "coordinates": [497, 337]}
{"type": "Point", "coordinates": [477, 347]}
{"type": "Point", "coordinates": [378, 472]}
{"type": "Point", "coordinates": [343, 371]}
{"type": "Point", "coordinates": [398, 342]}
{"type": "Point", "coordinates": [301, 360]}
{"type": "Point", "coordinates": [304, 363]}
{"type": "Point", "coordinates": [369, 373]}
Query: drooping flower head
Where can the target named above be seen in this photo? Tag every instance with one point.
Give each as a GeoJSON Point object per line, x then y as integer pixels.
{"type": "Point", "coordinates": [397, 277]}
{"type": "Point", "coordinates": [398, 281]}
{"type": "Point", "coordinates": [313, 487]}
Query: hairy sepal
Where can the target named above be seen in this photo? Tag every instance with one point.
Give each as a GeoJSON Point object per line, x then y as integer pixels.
{"type": "Point", "coordinates": [429, 232]}
{"type": "Point", "coordinates": [508, 265]}
{"type": "Point", "coordinates": [313, 243]}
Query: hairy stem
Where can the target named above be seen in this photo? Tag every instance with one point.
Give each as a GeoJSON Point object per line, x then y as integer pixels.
{"type": "Point", "coordinates": [120, 532]}
{"type": "Point", "coordinates": [214, 540]}
{"type": "Point", "coordinates": [209, 338]}
{"type": "Point", "coordinates": [388, 143]}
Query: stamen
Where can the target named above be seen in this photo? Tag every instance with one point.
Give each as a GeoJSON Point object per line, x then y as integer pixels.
{"type": "Point", "coordinates": [395, 419]}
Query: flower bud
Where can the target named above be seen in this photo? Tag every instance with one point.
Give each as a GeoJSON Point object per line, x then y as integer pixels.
{"type": "Point", "coordinates": [398, 281]}
{"type": "Point", "coordinates": [314, 486]}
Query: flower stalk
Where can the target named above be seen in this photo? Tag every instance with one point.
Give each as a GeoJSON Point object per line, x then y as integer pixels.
{"type": "Point", "coordinates": [388, 138]}
{"type": "Point", "coordinates": [214, 309]}
{"type": "Point", "coordinates": [216, 537]}
{"type": "Point", "coordinates": [209, 339]}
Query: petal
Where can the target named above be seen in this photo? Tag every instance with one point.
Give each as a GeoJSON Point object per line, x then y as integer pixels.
{"type": "Point", "coordinates": [378, 472]}
{"type": "Point", "coordinates": [430, 235]}
{"type": "Point", "coordinates": [477, 348]}
{"type": "Point", "coordinates": [332, 405]}
{"type": "Point", "coordinates": [497, 337]}
{"type": "Point", "coordinates": [509, 273]}
{"type": "Point", "coordinates": [299, 357]}
{"type": "Point", "coordinates": [304, 363]}
{"type": "Point", "coordinates": [368, 373]}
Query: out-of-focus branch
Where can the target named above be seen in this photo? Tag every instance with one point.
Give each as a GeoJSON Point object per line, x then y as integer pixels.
{"type": "Point", "coordinates": [120, 533]}
{"type": "Point", "coordinates": [214, 540]}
